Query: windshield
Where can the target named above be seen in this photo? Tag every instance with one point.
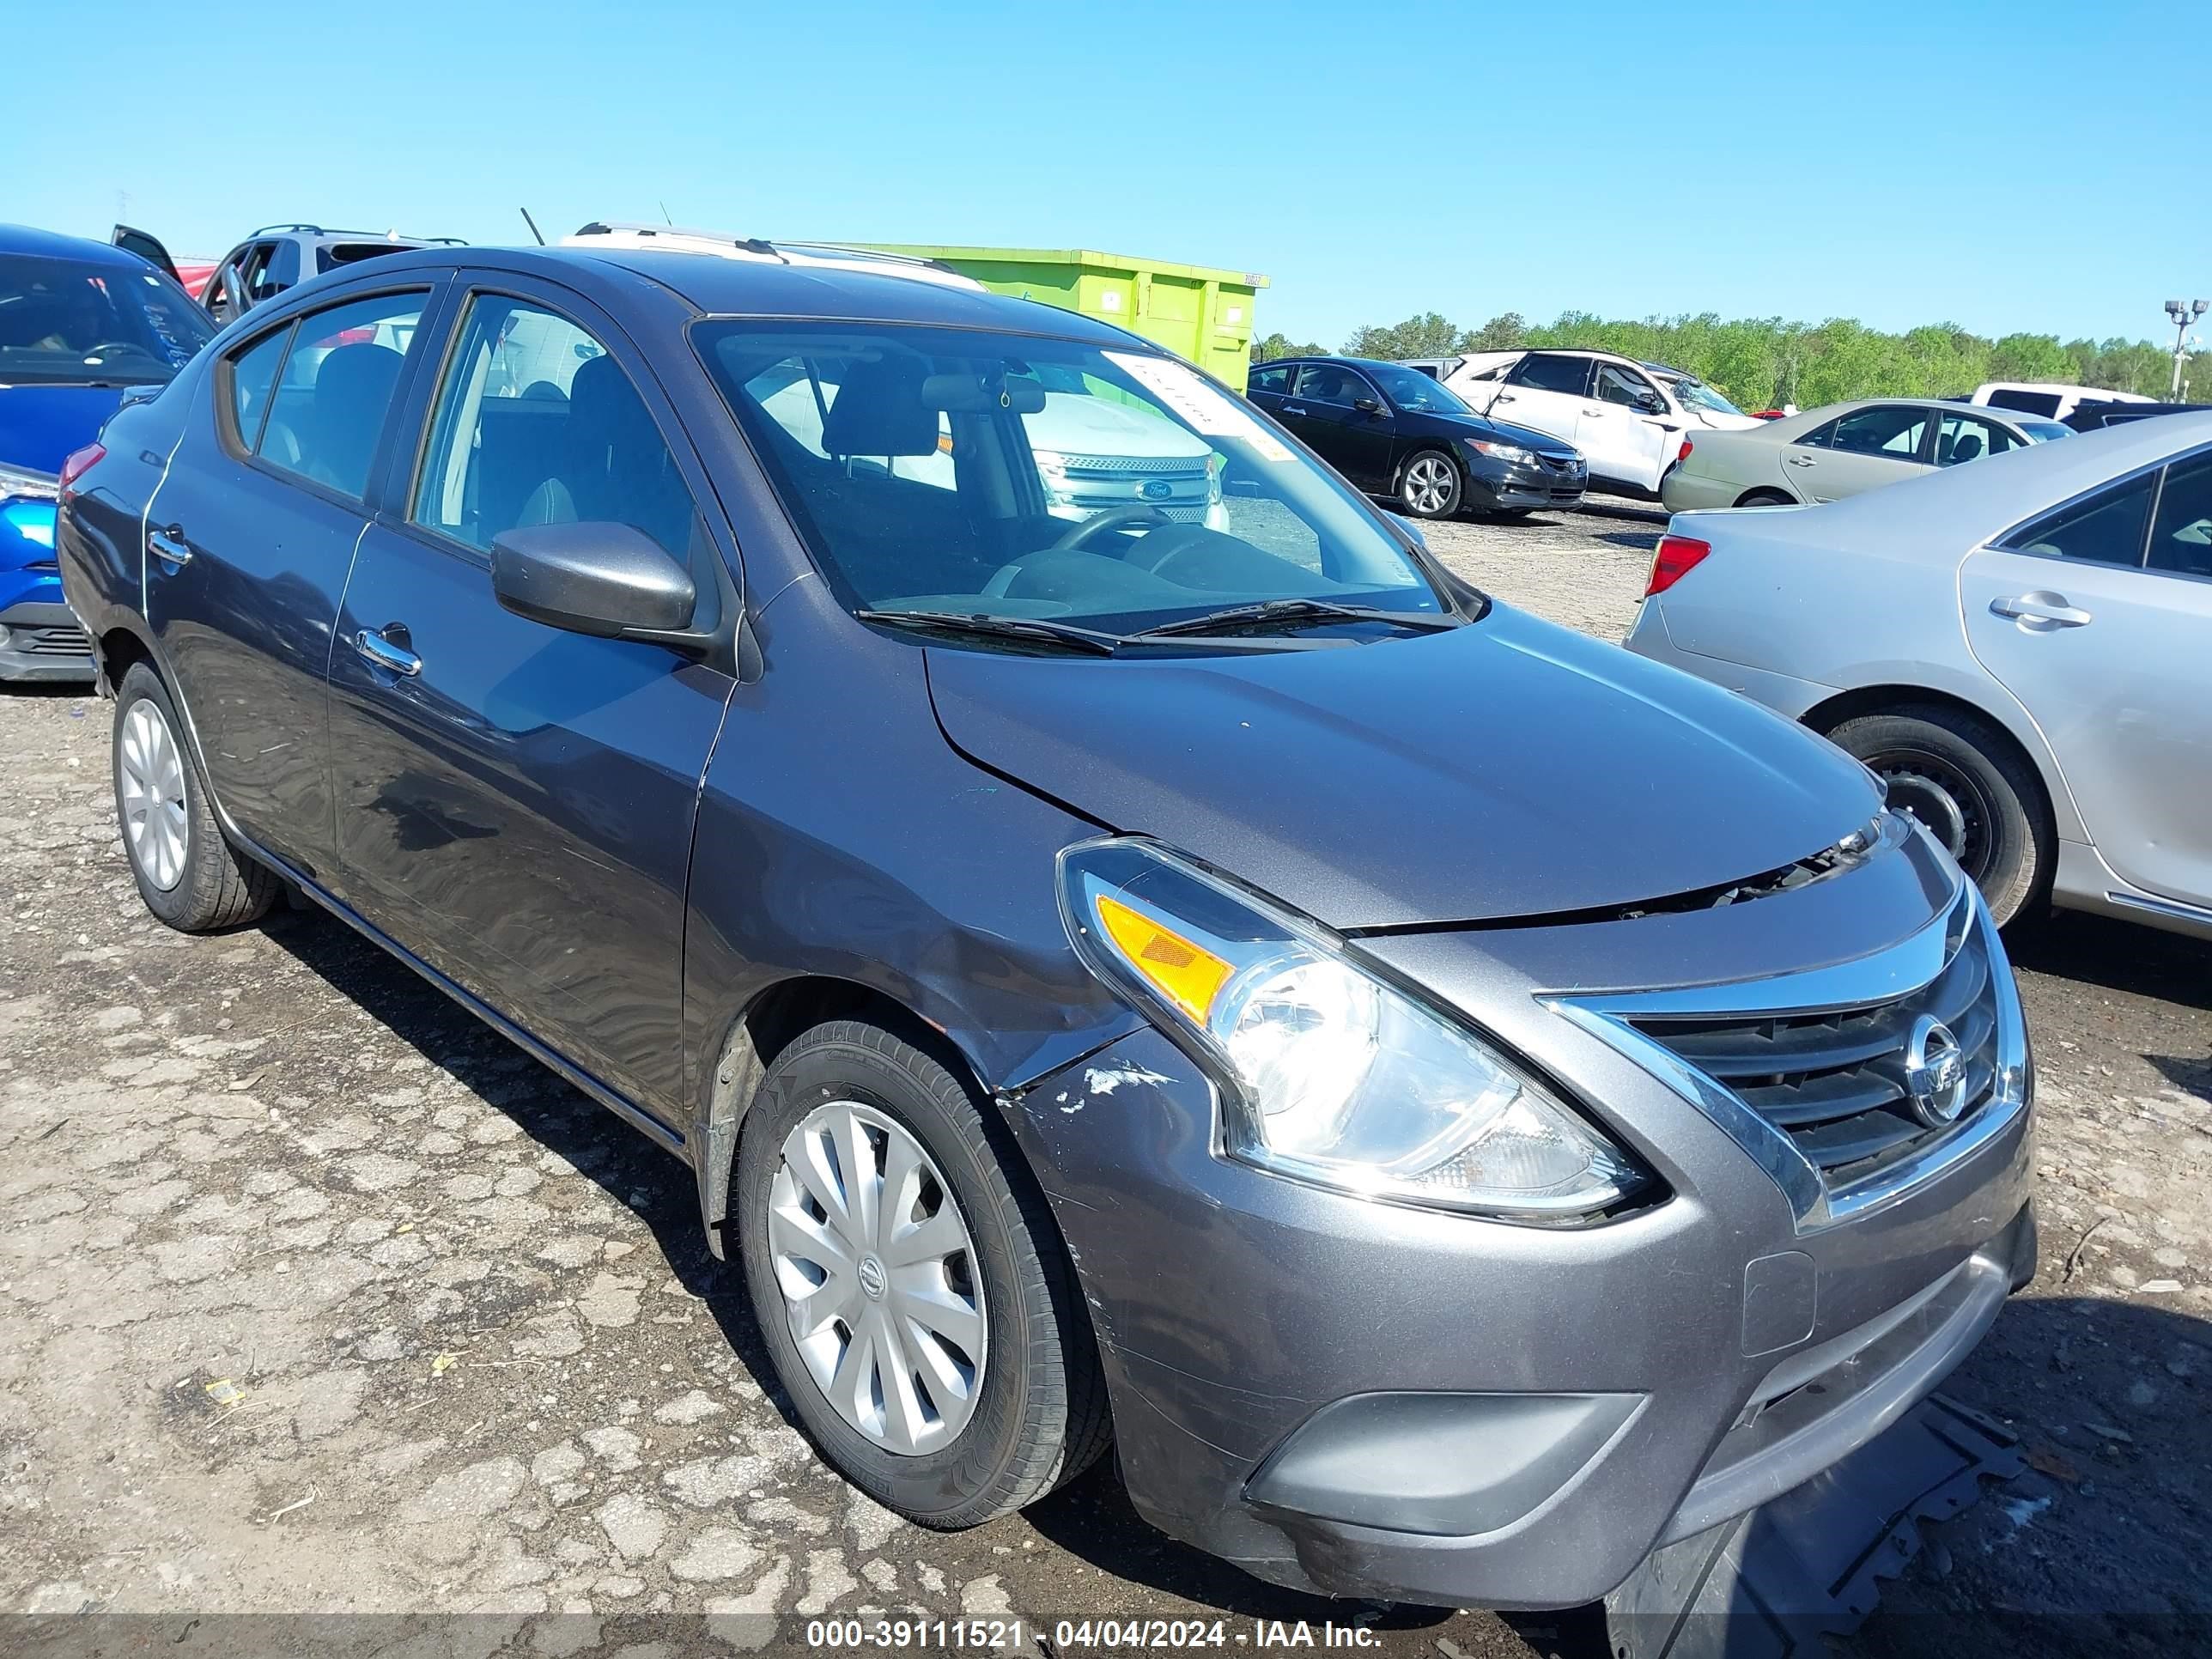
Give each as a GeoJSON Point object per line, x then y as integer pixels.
{"type": "Point", "coordinates": [66, 321]}
{"type": "Point", "coordinates": [1696, 394]}
{"type": "Point", "coordinates": [964, 472]}
{"type": "Point", "coordinates": [1411, 389]}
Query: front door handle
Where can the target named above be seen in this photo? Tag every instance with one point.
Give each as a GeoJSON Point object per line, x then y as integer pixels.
{"type": "Point", "coordinates": [394, 659]}
{"type": "Point", "coordinates": [1586, 410]}
{"type": "Point", "coordinates": [169, 546]}
{"type": "Point", "coordinates": [2039, 612]}
{"type": "Point", "coordinates": [1294, 409]}
{"type": "Point", "coordinates": [1502, 397]}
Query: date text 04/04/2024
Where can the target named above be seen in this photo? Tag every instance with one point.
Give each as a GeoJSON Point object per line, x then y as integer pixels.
{"type": "Point", "coordinates": [996, 1634]}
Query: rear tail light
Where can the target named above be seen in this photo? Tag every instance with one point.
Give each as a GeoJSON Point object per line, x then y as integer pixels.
{"type": "Point", "coordinates": [1678, 556]}
{"type": "Point", "coordinates": [1683, 453]}
{"type": "Point", "coordinates": [77, 464]}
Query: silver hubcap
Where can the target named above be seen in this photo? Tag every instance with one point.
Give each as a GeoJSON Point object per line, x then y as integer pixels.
{"type": "Point", "coordinates": [1428, 485]}
{"type": "Point", "coordinates": [879, 1277]}
{"type": "Point", "coordinates": [149, 784]}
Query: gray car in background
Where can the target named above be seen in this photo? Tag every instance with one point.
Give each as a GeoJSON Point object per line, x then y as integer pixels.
{"type": "Point", "coordinates": [1827, 453]}
{"type": "Point", "coordinates": [2018, 648]}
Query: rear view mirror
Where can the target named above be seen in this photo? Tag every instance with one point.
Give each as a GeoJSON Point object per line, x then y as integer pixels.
{"type": "Point", "coordinates": [610, 581]}
{"type": "Point", "coordinates": [978, 394]}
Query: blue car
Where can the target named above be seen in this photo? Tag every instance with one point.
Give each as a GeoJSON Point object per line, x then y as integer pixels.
{"type": "Point", "coordinates": [81, 325]}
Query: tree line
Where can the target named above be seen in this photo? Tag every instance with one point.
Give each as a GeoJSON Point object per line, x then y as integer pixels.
{"type": "Point", "coordinates": [1764, 362]}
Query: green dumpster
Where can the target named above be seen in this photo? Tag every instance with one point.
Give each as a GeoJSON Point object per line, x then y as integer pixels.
{"type": "Point", "coordinates": [1202, 315]}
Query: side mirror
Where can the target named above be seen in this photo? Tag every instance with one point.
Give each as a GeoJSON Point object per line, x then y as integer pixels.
{"type": "Point", "coordinates": [1367, 405]}
{"type": "Point", "coordinates": [1650, 403]}
{"type": "Point", "coordinates": [610, 581]}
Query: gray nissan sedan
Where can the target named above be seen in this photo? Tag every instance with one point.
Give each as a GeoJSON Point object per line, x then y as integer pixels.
{"type": "Point", "coordinates": [1455, 1105]}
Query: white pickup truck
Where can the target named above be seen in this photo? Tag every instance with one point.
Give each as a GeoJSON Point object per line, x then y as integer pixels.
{"type": "Point", "coordinates": [1628, 417]}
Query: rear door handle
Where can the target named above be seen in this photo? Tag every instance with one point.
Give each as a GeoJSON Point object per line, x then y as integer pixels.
{"type": "Point", "coordinates": [1502, 397]}
{"type": "Point", "coordinates": [2040, 611]}
{"type": "Point", "coordinates": [1293, 409]}
{"type": "Point", "coordinates": [1801, 460]}
{"type": "Point", "coordinates": [169, 546]}
{"type": "Point", "coordinates": [394, 659]}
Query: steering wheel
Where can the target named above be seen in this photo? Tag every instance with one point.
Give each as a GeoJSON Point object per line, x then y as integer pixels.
{"type": "Point", "coordinates": [127, 348]}
{"type": "Point", "coordinates": [1080, 536]}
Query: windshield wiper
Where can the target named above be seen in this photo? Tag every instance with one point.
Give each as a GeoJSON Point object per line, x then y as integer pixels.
{"type": "Point", "coordinates": [1275, 613]}
{"type": "Point", "coordinates": [1002, 628]}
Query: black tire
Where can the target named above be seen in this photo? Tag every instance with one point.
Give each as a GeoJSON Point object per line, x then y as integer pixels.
{"type": "Point", "coordinates": [1964, 779]}
{"type": "Point", "coordinates": [1430, 485]}
{"type": "Point", "coordinates": [216, 886]}
{"type": "Point", "coordinates": [1768, 498]}
{"type": "Point", "coordinates": [1040, 1416]}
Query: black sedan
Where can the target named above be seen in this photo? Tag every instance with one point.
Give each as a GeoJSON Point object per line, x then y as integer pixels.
{"type": "Point", "coordinates": [1393, 431]}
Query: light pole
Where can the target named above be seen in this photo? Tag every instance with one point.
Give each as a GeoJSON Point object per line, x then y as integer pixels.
{"type": "Point", "coordinates": [2182, 312]}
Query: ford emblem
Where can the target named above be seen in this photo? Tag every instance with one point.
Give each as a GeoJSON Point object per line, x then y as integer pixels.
{"type": "Point", "coordinates": [1156, 490]}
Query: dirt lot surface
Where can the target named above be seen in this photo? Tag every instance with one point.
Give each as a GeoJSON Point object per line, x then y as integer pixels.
{"type": "Point", "coordinates": [320, 1302]}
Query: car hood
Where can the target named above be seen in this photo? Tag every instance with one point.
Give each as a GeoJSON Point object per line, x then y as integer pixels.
{"type": "Point", "coordinates": [39, 425]}
{"type": "Point", "coordinates": [1096, 425]}
{"type": "Point", "coordinates": [1507, 768]}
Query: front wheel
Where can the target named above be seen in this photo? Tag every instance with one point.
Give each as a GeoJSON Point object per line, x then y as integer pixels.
{"type": "Point", "coordinates": [911, 1285]}
{"type": "Point", "coordinates": [1429, 487]}
{"type": "Point", "coordinates": [1958, 776]}
{"type": "Point", "coordinates": [187, 873]}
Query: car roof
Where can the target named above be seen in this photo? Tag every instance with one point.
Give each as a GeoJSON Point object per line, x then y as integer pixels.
{"type": "Point", "coordinates": [52, 245]}
{"type": "Point", "coordinates": [1806, 419]}
{"type": "Point", "coordinates": [742, 288]}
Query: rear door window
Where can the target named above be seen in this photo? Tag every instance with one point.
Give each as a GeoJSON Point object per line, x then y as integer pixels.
{"type": "Point", "coordinates": [253, 377]}
{"type": "Point", "coordinates": [1893, 431]}
{"type": "Point", "coordinates": [329, 407]}
{"type": "Point", "coordinates": [2107, 528]}
{"type": "Point", "coordinates": [1551, 372]}
{"type": "Point", "coordinates": [537, 424]}
{"type": "Point", "coordinates": [1275, 377]}
{"type": "Point", "coordinates": [2181, 539]}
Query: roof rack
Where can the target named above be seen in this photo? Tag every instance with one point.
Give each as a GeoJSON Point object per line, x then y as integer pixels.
{"type": "Point", "coordinates": [366, 235]}
{"type": "Point", "coordinates": [761, 245]}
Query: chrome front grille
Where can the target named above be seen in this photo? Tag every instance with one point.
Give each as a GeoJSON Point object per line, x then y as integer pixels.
{"type": "Point", "coordinates": [1833, 1079]}
{"type": "Point", "coordinates": [1848, 1084]}
{"type": "Point", "coordinates": [1156, 466]}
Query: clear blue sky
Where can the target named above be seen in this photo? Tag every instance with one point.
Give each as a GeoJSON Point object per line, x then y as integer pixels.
{"type": "Point", "coordinates": [2010, 166]}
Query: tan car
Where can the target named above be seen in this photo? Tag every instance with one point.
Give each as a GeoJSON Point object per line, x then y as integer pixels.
{"type": "Point", "coordinates": [1826, 454]}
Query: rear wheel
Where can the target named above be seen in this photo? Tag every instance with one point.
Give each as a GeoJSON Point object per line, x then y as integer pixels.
{"type": "Point", "coordinates": [1959, 775]}
{"type": "Point", "coordinates": [1767, 498]}
{"type": "Point", "coordinates": [188, 874]}
{"type": "Point", "coordinates": [911, 1285]}
{"type": "Point", "coordinates": [1429, 486]}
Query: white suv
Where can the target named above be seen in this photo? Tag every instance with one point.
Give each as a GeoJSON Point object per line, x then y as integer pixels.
{"type": "Point", "coordinates": [1628, 417]}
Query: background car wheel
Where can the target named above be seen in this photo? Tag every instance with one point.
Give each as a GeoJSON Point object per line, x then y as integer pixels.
{"type": "Point", "coordinates": [1429, 486]}
{"type": "Point", "coordinates": [1963, 778]}
{"type": "Point", "coordinates": [1767, 498]}
{"type": "Point", "coordinates": [910, 1283]}
{"type": "Point", "coordinates": [189, 875]}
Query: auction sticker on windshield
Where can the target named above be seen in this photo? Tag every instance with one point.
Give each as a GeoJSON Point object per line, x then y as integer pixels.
{"type": "Point", "coordinates": [1180, 387]}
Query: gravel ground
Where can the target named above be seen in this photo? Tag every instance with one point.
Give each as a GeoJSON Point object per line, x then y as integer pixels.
{"type": "Point", "coordinates": [318, 1299]}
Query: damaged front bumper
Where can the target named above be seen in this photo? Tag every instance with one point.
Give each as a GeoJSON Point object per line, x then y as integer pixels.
{"type": "Point", "coordinates": [1381, 1400]}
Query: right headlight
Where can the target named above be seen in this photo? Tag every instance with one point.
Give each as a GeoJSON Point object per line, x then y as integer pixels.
{"type": "Point", "coordinates": [1334, 1075]}
{"type": "Point", "coordinates": [1512, 454]}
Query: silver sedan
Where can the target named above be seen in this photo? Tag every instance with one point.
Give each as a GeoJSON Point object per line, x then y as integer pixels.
{"type": "Point", "coordinates": [1826, 454]}
{"type": "Point", "coordinates": [2022, 650]}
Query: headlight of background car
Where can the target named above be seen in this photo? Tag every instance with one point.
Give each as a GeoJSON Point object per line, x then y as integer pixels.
{"type": "Point", "coordinates": [27, 503]}
{"type": "Point", "coordinates": [1334, 1075]}
{"type": "Point", "coordinates": [1052, 468]}
{"type": "Point", "coordinates": [1512, 454]}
